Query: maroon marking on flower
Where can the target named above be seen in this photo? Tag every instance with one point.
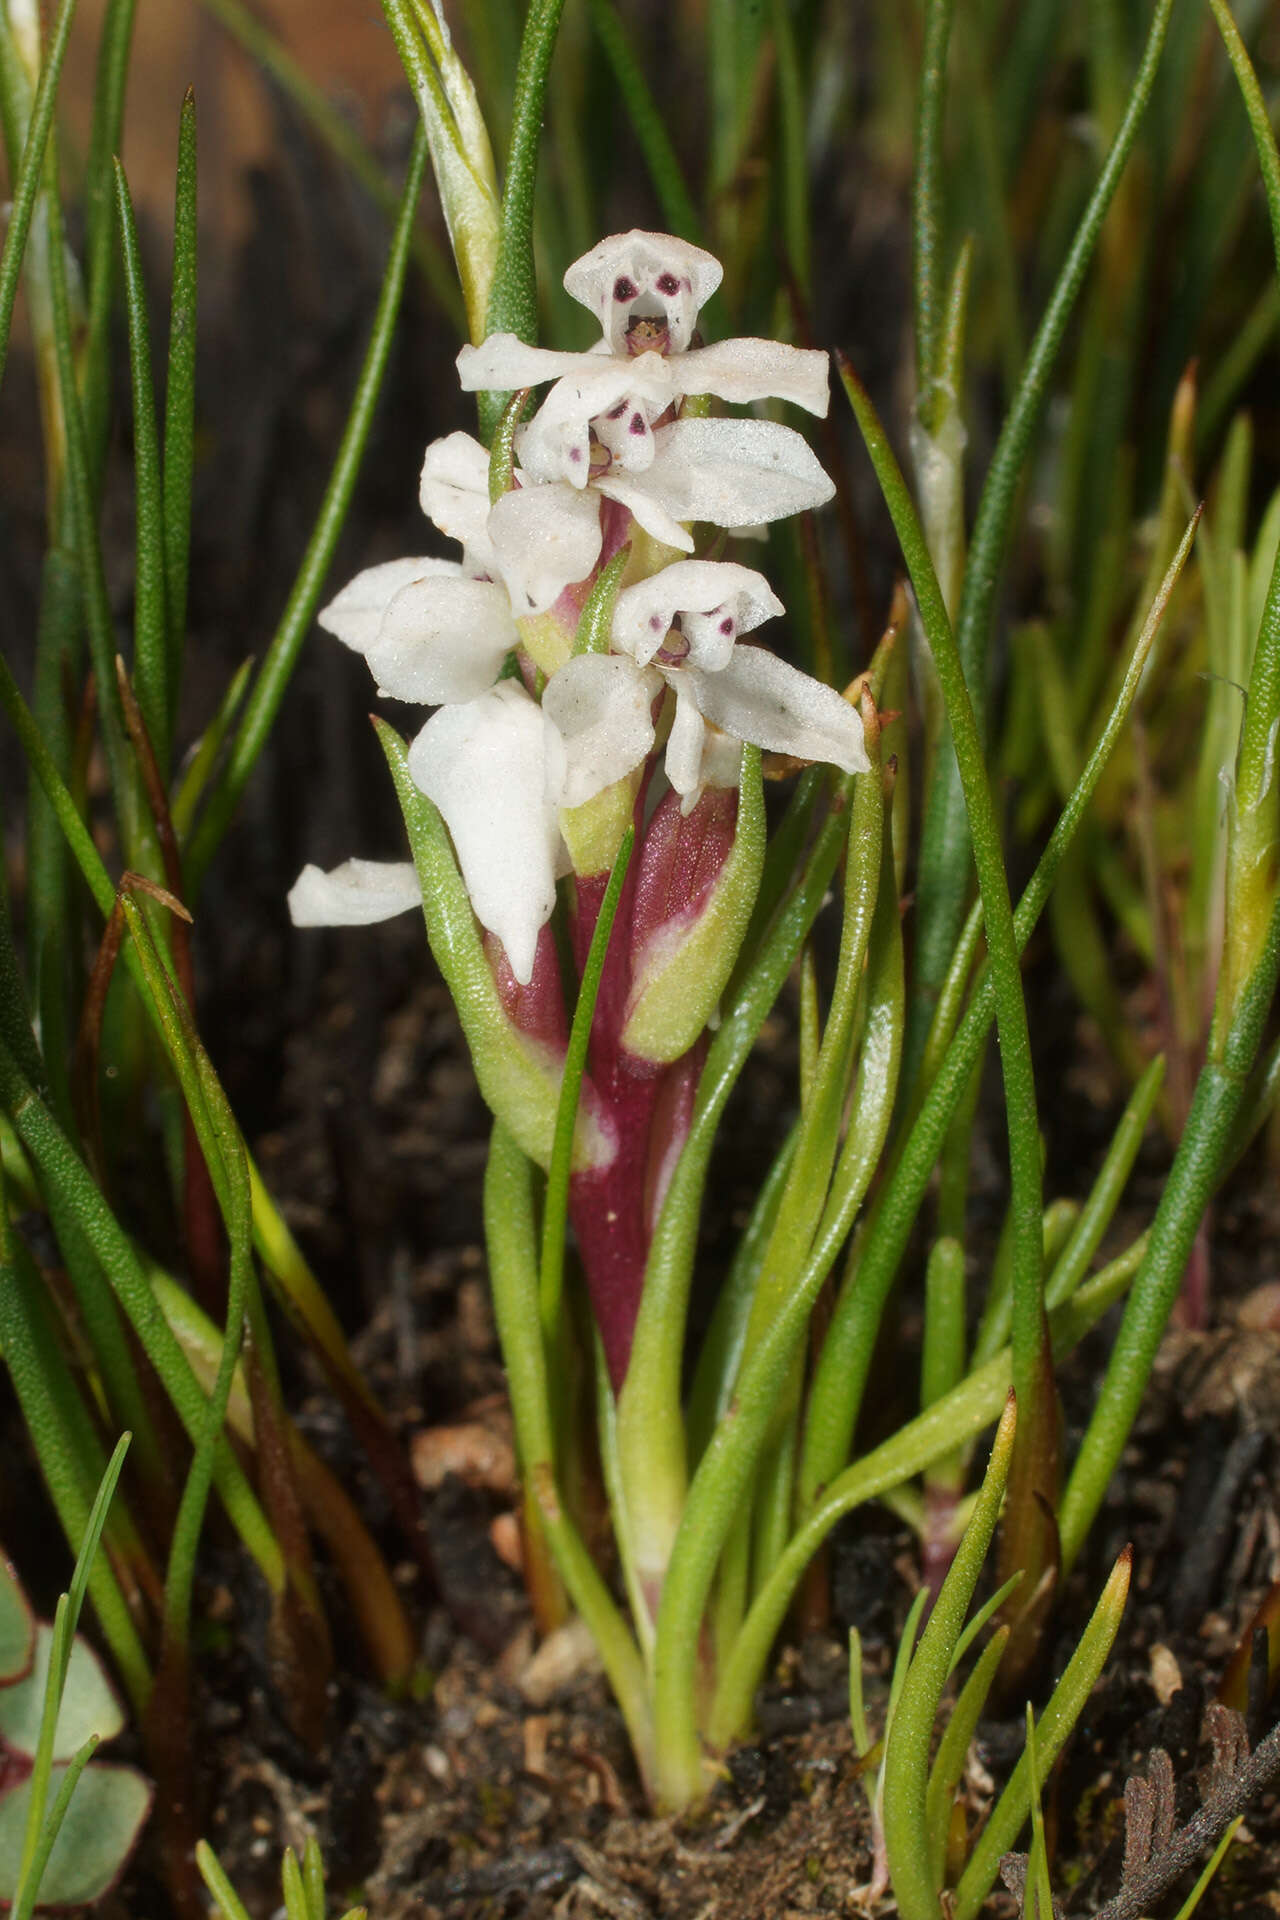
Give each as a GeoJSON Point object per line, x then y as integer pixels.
{"type": "Point", "coordinates": [616, 413]}
{"type": "Point", "coordinates": [668, 284]}
{"type": "Point", "coordinates": [636, 424]}
{"type": "Point", "coordinates": [624, 289]}
{"type": "Point", "coordinates": [726, 625]}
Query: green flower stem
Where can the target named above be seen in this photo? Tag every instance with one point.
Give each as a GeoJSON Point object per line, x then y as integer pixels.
{"type": "Point", "coordinates": [906, 1763]}
{"type": "Point", "coordinates": [1195, 1173]}
{"type": "Point", "coordinates": [942, 1355]}
{"type": "Point", "coordinates": [1030, 1331]}
{"type": "Point", "coordinates": [135, 831]}
{"type": "Point", "coordinates": [927, 215]}
{"type": "Point", "coordinates": [944, 852]}
{"type": "Point", "coordinates": [66, 1619]}
{"type": "Point", "coordinates": [295, 622]}
{"type": "Point", "coordinates": [511, 1238]}
{"type": "Point", "coordinates": [180, 403]}
{"type": "Point", "coordinates": [300, 1292]}
{"type": "Point", "coordinates": [512, 305]}
{"type": "Point", "coordinates": [65, 1443]}
{"type": "Point", "coordinates": [1060, 1716]}
{"type": "Point", "coordinates": [31, 172]}
{"type": "Point", "coordinates": [815, 1153]}
{"type": "Point", "coordinates": [59, 1165]}
{"type": "Point", "coordinates": [963, 1414]}
{"type": "Point", "coordinates": [836, 1394]}
{"type": "Point", "coordinates": [114, 46]}
{"type": "Point", "coordinates": [555, 1216]}
{"type": "Point", "coordinates": [720, 1485]}
{"type": "Point", "coordinates": [1255, 838]}
{"type": "Point", "coordinates": [338, 134]}
{"type": "Point", "coordinates": [151, 644]}
{"type": "Point", "coordinates": [224, 1155]}
{"type": "Point", "coordinates": [647, 123]}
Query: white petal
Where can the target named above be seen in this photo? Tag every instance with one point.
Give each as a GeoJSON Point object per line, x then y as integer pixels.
{"type": "Point", "coordinates": [545, 539]}
{"type": "Point", "coordinates": [721, 758]}
{"type": "Point", "coordinates": [443, 640]}
{"type": "Point", "coordinates": [734, 473]}
{"type": "Point", "coordinates": [611, 395]}
{"type": "Point", "coordinates": [503, 364]}
{"type": "Point", "coordinates": [495, 769]}
{"type": "Point", "coordinates": [684, 742]}
{"type": "Point", "coordinates": [639, 273]}
{"type": "Point", "coordinates": [760, 698]}
{"type": "Point", "coordinates": [632, 492]}
{"type": "Point", "coordinates": [356, 894]}
{"type": "Point", "coordinates": [602, 705]}
{"type": "Point", "coordinates": [715, 600]}
{"type": "Point", "coordinates": [747, 370]}
{"type": "Point", "coordinates": [355, 614]}
{"type": "Point", "coordinates": [454, 492]}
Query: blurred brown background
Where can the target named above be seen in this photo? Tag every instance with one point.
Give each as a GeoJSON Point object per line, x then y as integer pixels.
{"type": "Point", "coordinates": [343, 45]}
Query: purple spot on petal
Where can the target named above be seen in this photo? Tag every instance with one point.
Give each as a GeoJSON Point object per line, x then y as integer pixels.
{"type": "Point", "coordinates": [624, 289]}
{"type": "Point", "coordinates": [575, 453]}
{"type": "Point", "coordinates": [637, 424]}
{"type": "Point", "coordinates": [668, 284]}
{"type": "Point", "coordinates": [616, 413]}
{"type": "Point", "coordinates": [657, 622]}
{"type": "Point", "coordinates": [726, 626]}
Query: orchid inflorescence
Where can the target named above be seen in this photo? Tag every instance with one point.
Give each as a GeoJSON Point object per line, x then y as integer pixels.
{"type": "Point", "coordinates": [545, 743]}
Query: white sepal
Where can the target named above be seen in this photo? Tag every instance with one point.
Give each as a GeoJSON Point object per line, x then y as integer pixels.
{"type": "Point", "coordinates": [760, 698]}
{"type": "Point", "coordinates": [443, 640]}
{"type": "Point", "coordinates": [545, 539]}
{"type": "Point", "coordinates": [356, 894]}
{"type": "Point", "coordinates": [734, 473]}
{"type": "Point", "coordinates": [714, 600]}
{"type": "Point", "coordinates": [602, 706]}
{"type": "Point", "coordinates": [749, 370]}
{"type": "Point", "coordinates": [651, 274]}
{"type": "Point", "coordinates": [454, 494]}
{"type": "Point", "coordinates": [684, 743]}
{"type": "Point", "coordinates": [355, 615]}
{"type": "Point", "coordinates": [607, 394]}
{"type": "Point", "coordinates": [495, 768]}
{"type": "Point", "coordinates": [631, 491]}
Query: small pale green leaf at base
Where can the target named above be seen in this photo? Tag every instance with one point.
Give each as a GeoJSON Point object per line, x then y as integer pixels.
{"type": "Point", "coordinates": [17, 1628]}
{"type": "Point", "coordinates": [89, 1703]}
{"type": "Point", "coordinates": [684, 969]}
{"type": "Point", "coordinates": [98, 1833]}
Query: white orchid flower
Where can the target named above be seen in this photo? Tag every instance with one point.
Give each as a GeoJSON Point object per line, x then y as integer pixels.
{"type": "Point", "coordinates": [646, 277]}
{"type": "Point", "coordinates": [454, 492]}
{"type": "Point", "coordinates": [496, 769]}
{"type": "Point", "coordinates": [733, 473]}
{"type": "Point", "coordinates": [701, 606]}
{"type": "Point", "coordinates": [356, 894]}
